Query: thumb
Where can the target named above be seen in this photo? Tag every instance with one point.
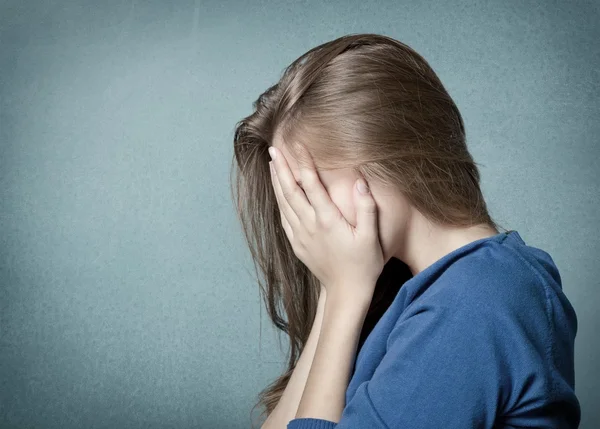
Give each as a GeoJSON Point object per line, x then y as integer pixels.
{"type": "Point", "coordinates": [366, 209]}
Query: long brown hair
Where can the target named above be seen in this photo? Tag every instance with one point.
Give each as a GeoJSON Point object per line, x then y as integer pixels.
{"type": "Point", "coordinates": [364, 101]}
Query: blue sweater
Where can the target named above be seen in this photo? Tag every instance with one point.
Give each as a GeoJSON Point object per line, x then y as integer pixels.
{"type": "Point", "coordinates": [482, 338]}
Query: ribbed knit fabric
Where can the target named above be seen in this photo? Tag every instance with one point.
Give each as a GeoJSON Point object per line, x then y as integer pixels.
{"type": "Point", "coordinates": [311, 423]}
{"type": "Point", "coordinates": [482, 338]}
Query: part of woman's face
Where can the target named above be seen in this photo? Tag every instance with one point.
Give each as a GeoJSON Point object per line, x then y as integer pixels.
{"type": "Point", "coordinates": [339, 183]}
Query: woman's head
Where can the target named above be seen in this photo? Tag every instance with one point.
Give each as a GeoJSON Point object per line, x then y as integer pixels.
{"type": "Point", "coordinates": [393, 210]}
{"type": "Point", "coordinates": [363, 104]}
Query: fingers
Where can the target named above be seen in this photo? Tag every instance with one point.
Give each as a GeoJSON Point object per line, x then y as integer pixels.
{"type": "Point", "coordinates": [313, 187]}
{"type": "Point", "coordinates": [284, 213]}
{"type": "Point", "coordinates": [366, 209]}
{"type": "Point", "coordinates": [292, 200]}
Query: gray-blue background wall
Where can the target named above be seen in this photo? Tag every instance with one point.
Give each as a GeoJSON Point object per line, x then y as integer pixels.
{"type": "Point", "coordinates": [127, 295]}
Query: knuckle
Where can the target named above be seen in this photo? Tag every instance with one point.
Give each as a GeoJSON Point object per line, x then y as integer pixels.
{"type": "Point", "coordinates": [309, 179]}
{"type": "Point", "coordinates": [371, 208]}
{"type": "Point", "coordinates": [298, 250]}
{"type": "Point", "coordinates": [312, 225]}
{"type": "Point", "coordinates": [325, 220]}
{"type": "Point", "coordinates": [290, 193]}
{"type": "Point", "coordinates": [328, 218]}
{"type": "Point", "coordinates": [311, 230]}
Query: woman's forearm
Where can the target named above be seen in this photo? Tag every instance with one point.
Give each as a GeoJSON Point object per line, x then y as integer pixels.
{"type": "Point", "coordinates": [290, 399]}
{"type": "Point", "coordinates": [324, 393]}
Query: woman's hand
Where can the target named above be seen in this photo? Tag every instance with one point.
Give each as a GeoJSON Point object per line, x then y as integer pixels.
{"type": "Point", "coordinates": [346, 259]}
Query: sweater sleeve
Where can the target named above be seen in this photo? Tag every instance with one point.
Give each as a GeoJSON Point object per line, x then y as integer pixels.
{"type": "Point", "coordinates": [310, 423]}
{"type": "Point", "coordinates": [441, 369]}
{"type": "Point", "coordinates": [464, 366]}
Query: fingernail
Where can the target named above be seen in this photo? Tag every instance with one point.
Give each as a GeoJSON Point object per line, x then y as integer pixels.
{"type": "Point", "coordinates": [362, 187]}
{"type": "Point", "coordinates": [272, 152]}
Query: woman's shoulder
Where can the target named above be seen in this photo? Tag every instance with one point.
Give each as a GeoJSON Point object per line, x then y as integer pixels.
{"type": "Point", "coordinates": [498, 314]}
{"type": "Point", "coordinates": [502, 276]}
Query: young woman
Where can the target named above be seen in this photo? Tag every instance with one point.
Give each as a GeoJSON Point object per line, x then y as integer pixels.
{"type": "Point", "coordinates": [405, 306]}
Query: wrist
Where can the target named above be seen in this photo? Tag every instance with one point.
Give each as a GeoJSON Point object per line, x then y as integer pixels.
{"type": "Point", "coordinates": [344, 316]}
{"type": "Point", "coordinates": [348, 301]}
{"type": "Point", "coordinates": [353, 292]}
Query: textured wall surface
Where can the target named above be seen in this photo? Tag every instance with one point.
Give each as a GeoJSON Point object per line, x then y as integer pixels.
{"type": "Point", "coordinates": [126, 291]}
